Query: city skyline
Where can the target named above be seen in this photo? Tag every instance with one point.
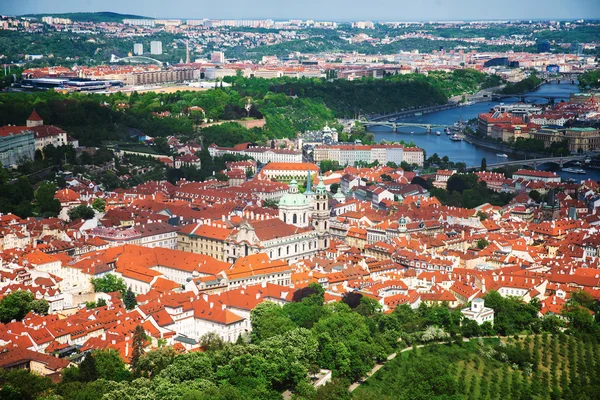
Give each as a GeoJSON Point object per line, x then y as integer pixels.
{"type": "Point", "coordinates": [337, 10]}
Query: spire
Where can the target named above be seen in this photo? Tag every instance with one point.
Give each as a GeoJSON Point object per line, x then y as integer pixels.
{"type": "Point", "coordinates": [308, 182]}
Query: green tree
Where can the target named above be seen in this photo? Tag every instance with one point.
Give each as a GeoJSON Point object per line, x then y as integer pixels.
{"type": "Point", "coordinates": [109, 283]}
{"type": "Point", "coordinates": [87, 370]}
{"type": "Point", "coordinates": [99, 204]}
{"type": "Point", "coordinates": [110, 365]}
{"type": "Point", "coordinates": [20, 384]}
{"type": "Point", "coordinates": [139, 339]}
{"type": "Point", "coordinates": [151, 363]}
{"type": "Point", "coordinates": [268, 319]}
{"type": "Point", "coordinates": [15, 306]}
{"type": "Point", "coordinates": [482, 243]}
{"type": "Point", "coordinates": [44, 197]}
{"type": "Point", "coordinates": [81, 211]}
{"type": "Point", "coordinates": [535, 195]}
{"type": "Point", "coordinates": [129, 299]}
{"type": "Point", "coordinates": [40, 306]}
{"type": "Point", "coordinates": [211, 341]}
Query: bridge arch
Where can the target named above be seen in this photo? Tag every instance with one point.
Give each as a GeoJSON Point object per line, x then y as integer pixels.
{"type": "Point", "coordinates": [134, 59]}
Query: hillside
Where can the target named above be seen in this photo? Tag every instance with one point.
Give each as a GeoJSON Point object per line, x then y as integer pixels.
{"type": "Point", "coordinates": [103, 16]}
{"type": "Point", "coordinates": [533, 367]}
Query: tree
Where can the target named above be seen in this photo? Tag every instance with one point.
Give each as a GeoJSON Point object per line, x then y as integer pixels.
{"type": "Point", "coordinates": [101, 303]}
{"type": "Point", "coordinates": [139, 339]}
{"type": "Point", "coordinates": [333, 188]}
{"type": "Point", "coordinates": [129, 299]}
{"type": "Point", "coordinates": [87, 369]}
{"type": "Point", "coordinates": [482, 216]}
{"type": "Point", "coordinates": [109, 283]}
{"type": "Point", "coordinates": [535, 195]}
{"type": "Point", "coordinates": [421, 182]}
{"type": "Point", "coordinates": [268, 319]}
{"type": "Point", "coordinates": [305, 292]}
{"type": "Point", "coordinates": [44, 197]}
{"type": "Point", "coordinates": [352, 299]}
{"type": "Point", "coordinates": [483, 164]}
{"type": "Point", "coordinates": [110, 365]}
{"type": "Point", "coordinates": [327, 165]}
{"type": "Point", "coordinates": [151, 363]}
{"type": "Point", "coordinates": [40, 306]}
{"type": "Point", "coordinates": [99, 204]}
{"type": "Point", "coordinates": [20, 384]}
{"type": "Point", "coordinates": [482, 244]}
{"type": "Point", "coordinates": [81, 211]}
{"type": "Point", "coordinates": [211, 341]}
{"type": "Point", "coordinates": [15, 306]}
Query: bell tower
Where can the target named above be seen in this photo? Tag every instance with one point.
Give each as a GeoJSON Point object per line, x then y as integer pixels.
{"type": "Point", "coordinates": [320, 216]}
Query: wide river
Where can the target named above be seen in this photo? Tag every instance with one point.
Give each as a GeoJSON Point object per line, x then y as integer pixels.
{"type": "Point", "coordinates": [464, 151]}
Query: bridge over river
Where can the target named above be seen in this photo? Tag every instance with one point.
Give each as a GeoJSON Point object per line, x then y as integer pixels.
{"type": "Point", "coordinates": [535, 162]}
{"type": "Point", "coordinates": [395, 125]}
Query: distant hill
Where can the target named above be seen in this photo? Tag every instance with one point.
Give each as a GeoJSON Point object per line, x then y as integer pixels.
{"type": "Point", "coordinates": [103, 16]}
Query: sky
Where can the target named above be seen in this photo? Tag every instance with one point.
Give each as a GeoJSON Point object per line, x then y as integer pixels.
{"type": "Point", "coordinates": [336, 10]}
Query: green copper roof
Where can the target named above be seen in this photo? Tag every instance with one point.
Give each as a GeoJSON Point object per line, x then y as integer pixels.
{"type": "Point", "coordinates": [293, 197]}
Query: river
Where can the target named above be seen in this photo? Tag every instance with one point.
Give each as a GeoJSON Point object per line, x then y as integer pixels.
{"type": "Point", "coordinates": [464, 151]}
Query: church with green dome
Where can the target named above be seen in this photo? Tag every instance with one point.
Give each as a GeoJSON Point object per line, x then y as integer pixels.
{"type": "Point", "coordinates": [307, 209]}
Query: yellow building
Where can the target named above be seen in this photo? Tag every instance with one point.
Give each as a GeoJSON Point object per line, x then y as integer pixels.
{"type": "Point", "coordinates": [207, 239]}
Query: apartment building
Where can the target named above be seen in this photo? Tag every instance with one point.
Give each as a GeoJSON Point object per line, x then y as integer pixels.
{"type": "Point", "coordinates": [382, 153]}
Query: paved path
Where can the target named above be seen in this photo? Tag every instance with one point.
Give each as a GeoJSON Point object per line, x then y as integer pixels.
{"type": "Point", "coordinates": [378, 367]}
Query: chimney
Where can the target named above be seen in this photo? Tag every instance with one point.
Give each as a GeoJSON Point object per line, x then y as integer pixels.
{"type": "Point", "coordinates": [204, 296]}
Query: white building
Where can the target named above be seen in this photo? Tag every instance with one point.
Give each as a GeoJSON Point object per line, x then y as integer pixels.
{"type": "Point", "coordinates": [156, 47]}
{"type": "Point", "coordinates": [382, 153]}
{"type": "Point", "coordinates": [478, 312]}
{"type": "Point", "coordinates": [138, 49]}
{"type": "Point", "coordinates": [263, 155]}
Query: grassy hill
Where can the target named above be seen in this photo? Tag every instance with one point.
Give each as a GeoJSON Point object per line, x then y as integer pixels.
{"type": "Point", "coordinates": [540, 367]}
{"type": "Point", "coordinates": [103, 16]}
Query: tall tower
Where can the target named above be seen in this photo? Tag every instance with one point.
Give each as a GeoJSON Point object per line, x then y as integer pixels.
{"type": "Point", "coordinates": [187, 51]}
{"type": "Point", "coordinates": [310, 195]}
{"type": "Point", "coordinates": [320, 216]}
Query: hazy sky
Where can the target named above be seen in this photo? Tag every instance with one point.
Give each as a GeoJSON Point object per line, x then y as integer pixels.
{"type": "Point", "coordinates": [338, 10]}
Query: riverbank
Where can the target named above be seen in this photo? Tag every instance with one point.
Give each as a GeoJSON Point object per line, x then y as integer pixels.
{"type": "Point", "coordinates": [503, 148]}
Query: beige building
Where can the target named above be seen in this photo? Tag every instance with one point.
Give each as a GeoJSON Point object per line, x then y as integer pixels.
{"type": "Point", "coordinates": [208, 239]}
{"type": "Point", "coordinates": [162, 76]}
{"type": "Point", "coordinates": [583, 139]}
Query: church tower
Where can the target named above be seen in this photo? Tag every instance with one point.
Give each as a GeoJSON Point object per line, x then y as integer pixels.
{"type": "Point", "coordinates": [320, 216]}
{"type": "Point", "coordinates": [310, 195]}
{"type": "Point", "coordinates": [294, 208]}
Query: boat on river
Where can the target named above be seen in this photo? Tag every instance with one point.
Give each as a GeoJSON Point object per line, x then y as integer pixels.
{"type": "Point", "coordinates": [455, 138]}
{"type": "Point", "coordinates": [574, 170]}
{"type": "Point", "coordinates": [501, 155]}
{"type": "Point", "coordinates": [438, 133]}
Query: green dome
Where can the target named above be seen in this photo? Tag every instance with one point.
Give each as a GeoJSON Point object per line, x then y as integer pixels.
{"type": "Point", "coordinates": [293, 198]}
{"type": "Point", "coordinates": [339, 195]}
